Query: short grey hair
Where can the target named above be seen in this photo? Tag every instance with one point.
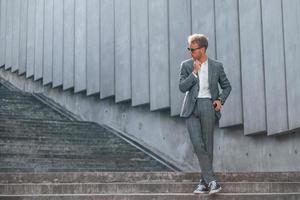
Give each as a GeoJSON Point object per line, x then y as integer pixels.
{"type": "Point", "coordinates": [200, 39]}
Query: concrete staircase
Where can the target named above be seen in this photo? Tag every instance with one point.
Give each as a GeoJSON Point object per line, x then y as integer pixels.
{"type": "Point", "coordinates": [145, 185]}
{"type": "Point", "coordinates": [46, 154]}
{"type": "Point", "coordinates": [36, 138]}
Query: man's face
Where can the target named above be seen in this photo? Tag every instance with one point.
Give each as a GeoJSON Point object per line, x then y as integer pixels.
{"type": "Point", "coordinates": [198, 52]}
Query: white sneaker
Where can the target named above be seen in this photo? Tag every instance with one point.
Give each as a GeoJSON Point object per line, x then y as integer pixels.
{"type": "Point", "coordinates": [201, 189]}
{"type": "Point", "coordinates": [214, 187]}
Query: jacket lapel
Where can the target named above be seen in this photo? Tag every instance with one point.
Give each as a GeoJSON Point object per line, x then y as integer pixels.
{"type": "Point", "coordinates": [210, 71]}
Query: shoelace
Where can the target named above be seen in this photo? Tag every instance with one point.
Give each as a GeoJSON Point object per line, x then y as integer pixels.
{"type": "Point", "coordinates": [213, 184]}
{"type": "Point", "coordinates": [200, 187]}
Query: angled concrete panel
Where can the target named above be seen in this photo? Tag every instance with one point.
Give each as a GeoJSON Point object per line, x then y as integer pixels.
{"type": "Point", "coordinates": [39, 40]}
{"type": "Point", "coordinates": [122, 50]}
{"type": "Point", "coordinates": [159, 54]}
{"type": "Point", "coordinates": [139, 52]}
{"type": "Point", "coordinates": [291, 21]}
{"type": "Point", "coordinates": [2, 31]}
{"type": "Point", "coordinates": [9, 33]}
{"type": "Point", "coordinates": [68, 59]}
{"type": "Point", "coordinates": [274, 67]}
{"type": "Point", "coordinates": [80, 46]}
{"type": "Point", "coordinates": [58, 43]}
{"type": "Point", "coordinates": [16, 35]}
{"type": "Point", "coordinates": [254, 108]}
{"type": "Point", "coordinates": [228, 52]}
{"type": "Point", "coordinates": [93, 47]}
{"type": "Point", "coordinates": [48, 42]}
{"type": "Point", "coordinates": [30, 38]}
{"type": "Point", "coordinates": [180, 29]}
{"type": "Point", "coordinates": [23, 36]}
{"type": "Point", "coordinates": [204, 24]}
{"type": "Point", "coordinates": [107, 69]}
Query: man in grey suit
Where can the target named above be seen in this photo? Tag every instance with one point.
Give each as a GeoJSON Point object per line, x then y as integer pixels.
{"type": "Point", "coordinates": [199, 79]}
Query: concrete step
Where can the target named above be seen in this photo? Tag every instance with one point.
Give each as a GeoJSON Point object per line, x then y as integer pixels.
{"type": "Point", "coordinates": [20, 105]}
{"type": "Point", "coordinates": [158, 196]}
{"type": "Point", "coordinates": [43, 141]}
{"type": "Point", "coordinates": [30, 112]}
{"type": "Point", "coordinates": [93, 158]}
{"type": "Point", "coordinates": [3, 88]}
{"type": "Point", "coordinates": [115, 163]}
{"type": "Point", "coordinates": [39, 129]}
{"type": "Point", "coordinates": [64, 149]}
{"type": "Point", "coordinates": [142, 177]}
{"type": "Point", "coordinates": [164, 187]}
{"type": "Point", "coordinates": [97, 177]}
{"type": "Point", "coordinates": [25, 122]}
{"type": "Point", "coordinates": [17, 99]}
{"type": "Point", "coordinates": [64, 130]}
{"type": "Point", "coordinates": [8, 93]}
{"type": "Point", "coordinates": [72, 146]}
{"type": "Point", "coordinates": [51, 137]}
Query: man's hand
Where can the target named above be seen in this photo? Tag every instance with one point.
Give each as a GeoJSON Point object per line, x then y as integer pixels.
{"type": "Point", "coordinates": [197, 66]}
{"type": "Point", "coordinates": [217, 105]}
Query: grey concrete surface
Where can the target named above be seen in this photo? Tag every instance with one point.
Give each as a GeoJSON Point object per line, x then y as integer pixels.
{"type": "Point", "coordinates": [179, 27]}
{"type": "Point", "coordinates": [2, 31]}
{"type": "Point", "coordinates": [57, 61]}
{"type": "Point", "coordinates": [16, 4]}
{"type": "Point", "coordinates": [159, 187]}
{"type": "Point", "coordinates": [159, 55]}
{"type": "Point", "coordinates": [107, 50]}
{"type": "Point", "coordinates": [146, 177]}
{"type": "Point", "coordinates": [69, 44]}
{"type": "Point", "coordinates": [291, 16]}
{"type": "Point", "coordinates": [122, 51]}
{"type": "Point", "coordinates": [93, 47]}
{"type": "Point", "coordinates": [30, 39]}
{"type": "Point", "coordinates": [274, 63]}
{"type": "Point", "coordinates": [228, 51]}
{"type": "Point", "coordinates": [48, 43]}
{"type": "Point", "coordinates": [80, 46]}
{"type": "Point", "coordinates": [39, 39]}
{"type": "Point", "coordinates": [140, 83]}
{"type": "Point", "coordinates": [9, 30]}
{"type": "Point", "coordinates": [23, 36]}
{"type": "Point", "coordinates": [252, 67]}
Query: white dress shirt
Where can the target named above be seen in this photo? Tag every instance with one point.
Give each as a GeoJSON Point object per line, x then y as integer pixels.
{"type": "Point", "coordinates": [204, 91]}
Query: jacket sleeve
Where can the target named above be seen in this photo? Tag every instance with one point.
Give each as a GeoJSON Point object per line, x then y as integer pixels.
{"type": "Point", "coordinates": [225, 85]}
{"type": "Point", "coordinates": [187, 80]}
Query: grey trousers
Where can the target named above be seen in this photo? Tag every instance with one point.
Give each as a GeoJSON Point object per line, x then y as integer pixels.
{"type": "Point", "coordinates": [200, 126]}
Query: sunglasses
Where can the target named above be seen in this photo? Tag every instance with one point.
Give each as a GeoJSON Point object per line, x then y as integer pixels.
{"type": "Point", "coordinates": [192, 50]}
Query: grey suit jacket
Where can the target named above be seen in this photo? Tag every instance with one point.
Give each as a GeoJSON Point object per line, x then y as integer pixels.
{"type": "Point", "coordinates": [189, 85]}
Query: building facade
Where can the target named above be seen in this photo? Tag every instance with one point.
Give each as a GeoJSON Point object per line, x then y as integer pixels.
{"type": "Point", "coordinates": [116, 62]}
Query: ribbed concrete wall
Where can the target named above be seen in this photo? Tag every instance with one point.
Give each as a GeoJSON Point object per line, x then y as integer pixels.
{"type": "Point", "coordinates": [132, 49]}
